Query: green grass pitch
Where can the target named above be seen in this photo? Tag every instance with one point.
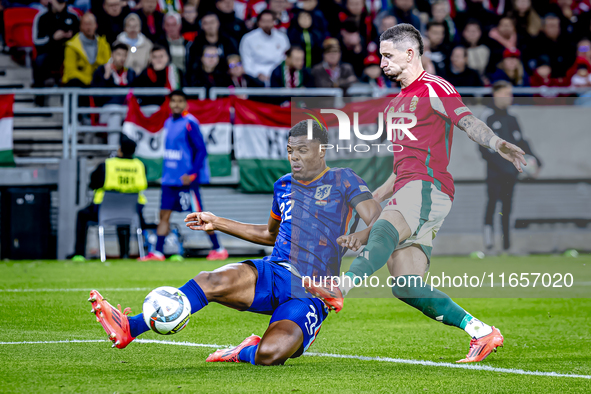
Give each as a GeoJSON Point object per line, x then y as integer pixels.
{"type": "Point", "coordinates": [541, 334]}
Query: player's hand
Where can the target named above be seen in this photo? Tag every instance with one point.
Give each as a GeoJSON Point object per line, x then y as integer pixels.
{"type": "Point", "coordinates": [187, 179]}
{"type": "Point", "coordinates": [203, 221]}
{"type": "Point", "coordinates": [512, 153]}
{"type": "Point", "coordinates": [352, 241]}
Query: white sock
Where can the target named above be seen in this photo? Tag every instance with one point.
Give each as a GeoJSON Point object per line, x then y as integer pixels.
{"type": "Point", "coordinates": [477, 329]}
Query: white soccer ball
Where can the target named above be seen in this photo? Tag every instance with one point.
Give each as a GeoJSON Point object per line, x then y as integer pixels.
{"type": "Point", "coordinates": [166, 310]}
{"type": "Point", "coordinates": [530, 170]}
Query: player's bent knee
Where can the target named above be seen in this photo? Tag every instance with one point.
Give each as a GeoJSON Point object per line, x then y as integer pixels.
{"type": "Point", "coordinates": [270, 354]}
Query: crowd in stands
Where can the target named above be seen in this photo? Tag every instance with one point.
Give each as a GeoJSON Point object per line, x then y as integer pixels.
{"type": "Point", "coordinates": [306, 43]}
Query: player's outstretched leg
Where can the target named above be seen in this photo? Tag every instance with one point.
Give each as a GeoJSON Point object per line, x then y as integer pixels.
{"type": "Point", "coordinates": [115, 322]}
{"type": "Point", "coordinates": [281, 341]}
{"type": "Point", "coordinates": [232, 285]}
{"type": "Point", "coordinates": [408, 266]}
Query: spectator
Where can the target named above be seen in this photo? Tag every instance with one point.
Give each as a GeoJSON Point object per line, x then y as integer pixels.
{"type": "Point", "coordinates": [152, 20]}
{"type": "Point", "coordinates": [304, 34]}
{"type": "Point", "coordinates": [176, 45]}
{"type": "Point", "coordinates": [211, 35]}
{"type": "Point", "coordinates": [372, 73]}
{"type": "Point", "coordinates": [440, 11]}
{"type": "Point", "coordinates": [583, 57]}
{"type": "Point", "coordinates": [475, 9]}
{"type": "Point", "coordinates": [51, 30]}
{"type": "Point", "coordinates": [354, 46]}
{"type": "Point", "coordinates": [426, 58]}
{"type": "Point", "coordinates": [140, 46]}
{"type": "Point", "coordinates": [478, 53]}
{"type": "Point", "coordinates": [282, 17]}
{"type": "Point", "coordinates": [511, 69]}
{"type": "Point", "coordinates": [331, 11]}
{"type": "Point", "coordinates": [291, 73]}
{"type": "Point", "coordinates": [208, 74]}
{"type": "Point", "coordinates": [458, 73]}
{"type": "Point", "coordinates": [319, 17]}
{"type": "Point", "coordinates": [386, 22]}
{"type": "Point", "coordinates": [568, 12]}
{"type": "Point", "coordinates": [190, 26]}
{"type": "Point", "coordinates": [159, 74]}
{"type": "Point", "coordinates": [502, 37]}
{"type": "Point", "coordinates": [403, 11]}
{"type": "Point", "coordinates": [581, 79]}
{"type": "Point", "coordinates": [553, 44]}
{"type": "Point", "coordinates": [356, 11]}
{"type": "Point", "coordinates": [84, 53]}
{"type": "Point", "coordinates": [440, 50]}
{"type": "Point", "coordinates": [111, 19]}
{"type": "Point", "coordinates": [229, 23]}
{"type": "Point", "coordinates": [114, 74]}
{"type": "Point", "coordinates": [542, 76]}
{"type": "Point", "coordinates": [527, 20]}
{"type": "Point", "coordinates": [238, 78]}
{"type": "Point", "coordinates": [501, 174]}
{"type": "Point", "coordinates": [331, 73]}
{"type": "Point", "coordinates": [263, 49]}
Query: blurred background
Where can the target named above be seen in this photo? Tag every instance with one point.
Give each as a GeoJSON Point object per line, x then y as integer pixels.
{"type": "Point", "coordinates": [76, 75]}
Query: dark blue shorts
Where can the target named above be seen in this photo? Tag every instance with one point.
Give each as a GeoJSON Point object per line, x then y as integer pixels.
{"type": "Point", "coordinates": [181, 198]}
{"type": "Point", "coordinates": [273, 296]}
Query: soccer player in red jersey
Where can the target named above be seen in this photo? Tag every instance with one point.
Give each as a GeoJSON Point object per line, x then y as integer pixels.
{"type": "Point", "coordinates": [421, 190]}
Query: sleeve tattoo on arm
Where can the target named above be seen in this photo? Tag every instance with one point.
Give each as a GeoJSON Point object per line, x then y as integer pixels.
{"type": "Point", "coordinates": [476, 129]}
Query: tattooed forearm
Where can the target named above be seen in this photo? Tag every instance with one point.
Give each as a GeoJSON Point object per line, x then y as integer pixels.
{"type": "Point", "coordinates": [476, 129]}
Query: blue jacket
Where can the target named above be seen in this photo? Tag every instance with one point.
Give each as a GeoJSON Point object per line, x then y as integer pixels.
{"type": "Point", "coordinates": [185, 152]}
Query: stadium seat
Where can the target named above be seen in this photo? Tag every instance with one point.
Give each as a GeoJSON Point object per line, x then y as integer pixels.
{"type": "Point", "coordinates": [18, 27]}
{"type": "Point", "coordinates": [119, 209]}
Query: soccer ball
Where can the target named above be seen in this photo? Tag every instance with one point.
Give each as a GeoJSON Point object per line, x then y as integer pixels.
{"type": "Point", "coordinates": [166, 310]}
{"type": "Point", "coordinates": [529, 171]}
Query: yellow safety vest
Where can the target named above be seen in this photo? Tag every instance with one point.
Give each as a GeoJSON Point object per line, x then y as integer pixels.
{"type": "Point", "coordinates": [123, 176]}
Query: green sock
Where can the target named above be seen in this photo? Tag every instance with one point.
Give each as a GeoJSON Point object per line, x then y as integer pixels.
{"type": "Point", "coordinates": [382, 242]}
{"type": "Point", "coordinates": [432, 302]}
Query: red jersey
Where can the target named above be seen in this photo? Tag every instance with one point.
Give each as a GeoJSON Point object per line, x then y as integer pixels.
{"type": "Point", "coordinates": [437, 107]}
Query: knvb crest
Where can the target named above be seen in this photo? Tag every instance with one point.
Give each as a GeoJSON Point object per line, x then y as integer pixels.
{"type": "Point", "coordinates": [322, 192]}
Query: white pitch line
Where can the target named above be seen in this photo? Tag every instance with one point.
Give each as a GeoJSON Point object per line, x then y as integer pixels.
{"type": "Point", "coordinates": [473, 367]}
{"type": "Point", "coordinates": [70, 290]}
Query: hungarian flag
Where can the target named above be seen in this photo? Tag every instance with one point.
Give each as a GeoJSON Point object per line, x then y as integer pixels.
{"type": "Point", "coordinates": [261, 133]}
{"type": "Point", "coordinates": [150, 135]}
{"type": "Point", "coordinates": [6, 122]}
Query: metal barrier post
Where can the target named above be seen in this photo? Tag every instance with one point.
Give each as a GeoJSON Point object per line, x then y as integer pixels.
{"type": "Point", "coordinates": [66, 222]}
{"type": "Point", "coordinates": [66, 125]}
{"type": "Point", "coordinates": [74, 125]}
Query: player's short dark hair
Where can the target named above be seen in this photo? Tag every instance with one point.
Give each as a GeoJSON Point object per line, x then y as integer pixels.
{"type": "Point", "coordinates": [293, 48]}
{"type": "Point", "coordinates": [178, 93]}
{"type": "Point", "coordinates": [319, 133]}
{"type": "Point", "coordinates": [501, 84]}
{"type": "Point", "coordinates": [127, 145]}
{"type": "Point", "coordinates": [119, 45]}
{"type": "Point", "coordinates": [265, 12]}
{"type": "Point", "coordinates": [404, 32]}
